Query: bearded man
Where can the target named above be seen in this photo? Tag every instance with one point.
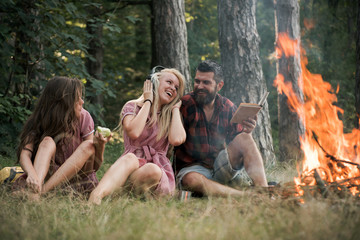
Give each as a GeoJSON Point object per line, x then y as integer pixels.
{"type": "Point", "coordinates": [215, 149]}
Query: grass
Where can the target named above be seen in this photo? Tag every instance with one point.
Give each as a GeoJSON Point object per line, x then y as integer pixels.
{"type": "Point", "coordinates": [254, 216]}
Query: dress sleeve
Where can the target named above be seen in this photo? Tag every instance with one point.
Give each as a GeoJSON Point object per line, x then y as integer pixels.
{"type": "Point", "coordinates": [128, 109]}
{"type": "Point", "coordinates": [86, 124]}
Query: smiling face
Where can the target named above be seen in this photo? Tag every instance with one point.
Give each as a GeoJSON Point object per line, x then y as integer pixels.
{"type": "Point", "coordinates": [168, 88]}
{"type": "Point", "coordinates": [205, 87]}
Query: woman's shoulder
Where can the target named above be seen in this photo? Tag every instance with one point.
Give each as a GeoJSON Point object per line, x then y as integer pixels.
{"type": "Point", "coordinates": [85, 114]}
{"type": "Point", "coordinates": [131, 106]}
{"type": "Point", "coordinates": [86, 122]}
{"type": "Point", "coordinates": [130, 103]}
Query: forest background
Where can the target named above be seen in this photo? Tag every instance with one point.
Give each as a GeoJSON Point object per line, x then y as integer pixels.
{"type": "Point", "coordinates": [41, 39]}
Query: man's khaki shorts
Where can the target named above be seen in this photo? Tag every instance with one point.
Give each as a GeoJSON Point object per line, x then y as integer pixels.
{"type": "Point", "coordinates": [222, 172]}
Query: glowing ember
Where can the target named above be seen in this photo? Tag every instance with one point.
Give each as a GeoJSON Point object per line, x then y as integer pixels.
{"type": "Point", "coordinates": [328, 151]}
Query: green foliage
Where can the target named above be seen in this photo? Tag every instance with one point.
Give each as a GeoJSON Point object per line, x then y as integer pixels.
{"type": "Point", "coordinates": [202, 28]}
{"type": "Point", "coordinates": [32, 50]}
{"type": "Point", "coordinates": [40, 39]}
{"type": "Point", "coordinates": [13, 115]}
{"type": "Point", "coordinates": [127, 58]}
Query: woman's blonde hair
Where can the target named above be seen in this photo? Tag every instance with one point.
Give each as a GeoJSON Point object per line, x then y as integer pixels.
{"type": "Point", "coordinates": [164, 117]}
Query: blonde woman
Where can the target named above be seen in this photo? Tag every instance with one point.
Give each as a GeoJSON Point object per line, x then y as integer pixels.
{"type": "Point", "coordinates": [149, 124]}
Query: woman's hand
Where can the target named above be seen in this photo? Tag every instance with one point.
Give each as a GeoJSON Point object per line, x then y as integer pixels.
{"type": "Point", "coordinates": [100, 139]}
{"type": "Point", "coordinates": [148, 90]}
{"type": "Point", "coordinates": [178, 104]}
{"type": "Point", "coordinates": [34, 183]}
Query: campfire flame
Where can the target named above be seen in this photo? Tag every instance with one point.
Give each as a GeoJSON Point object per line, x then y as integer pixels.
{"type": "Point", "coordinates": [331, 157]}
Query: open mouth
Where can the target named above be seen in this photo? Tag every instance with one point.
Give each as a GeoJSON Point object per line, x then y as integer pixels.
{"type": "Point", "coordinates": [169, 94]}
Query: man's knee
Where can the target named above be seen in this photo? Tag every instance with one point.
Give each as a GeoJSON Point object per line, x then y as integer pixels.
{"type": "Point", "coordinates": [241, 145]}
{"type": "Point", "coordinates": [244, 139]}
{"type": "Point", "coordinates": [192, 179]}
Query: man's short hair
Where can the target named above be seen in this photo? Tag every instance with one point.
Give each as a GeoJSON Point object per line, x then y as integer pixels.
{"type": "Point", "coordinates": [211, 66]}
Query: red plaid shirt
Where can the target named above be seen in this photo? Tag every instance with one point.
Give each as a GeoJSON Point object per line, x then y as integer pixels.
{"type": "Point", "coordinates": [204, 140]}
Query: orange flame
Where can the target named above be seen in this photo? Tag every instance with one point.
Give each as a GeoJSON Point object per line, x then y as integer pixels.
{"type": "Point", "coordinates": [324, 136]}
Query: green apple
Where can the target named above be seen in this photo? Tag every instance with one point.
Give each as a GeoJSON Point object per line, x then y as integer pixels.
{"type": "Point", "coordinates": [105, 132]}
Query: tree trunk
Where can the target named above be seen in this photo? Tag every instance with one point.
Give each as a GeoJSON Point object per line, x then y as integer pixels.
{"type": "Point", "coordinates": [287, 20]}
{"type": "Point", "coordinates": [239, 47]}
{"type": "Point", "coordinates": [96, 51]}
{"type": "Point", "coordinates": [170, 37]}
{"type": "Point", "coordinates": [357, 75]}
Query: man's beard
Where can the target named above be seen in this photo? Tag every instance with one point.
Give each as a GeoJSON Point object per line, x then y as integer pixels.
{"type": "Point", "coordinates": [204, 100]}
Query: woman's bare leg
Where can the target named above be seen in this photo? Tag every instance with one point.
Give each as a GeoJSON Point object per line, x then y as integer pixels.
{"type": "Point", "coordinates": [145, 178]}
{"type": "Point", "coordinates": [71, 166]}
{"type": "Point", "coordinates": [45, 153]}
{"type": "Point", "coordinates": [88, 167]}
{"type": "Point", "coordinates": [115, 178]}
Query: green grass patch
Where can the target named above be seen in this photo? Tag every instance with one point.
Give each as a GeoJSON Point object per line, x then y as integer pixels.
{"type": "Point", "coordinates": [64, 217]}
{"type": "Point", "coordinates": [254, 216]}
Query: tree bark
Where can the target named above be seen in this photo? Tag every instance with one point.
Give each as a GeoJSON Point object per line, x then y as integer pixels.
{"type": "Point", "coordinates": [287, 20]}
{"type": "Point", "coordinates": [239, 47]}
{"type": "Point", "coordinates": [96, 51]}
{"type": "Point", "coordinates": [170, 37]}
{"type": "Point", "coordinates": [357, 75]}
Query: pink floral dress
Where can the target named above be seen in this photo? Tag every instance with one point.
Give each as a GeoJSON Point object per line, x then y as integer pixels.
{"type": "Point", "coordinates": [150, 150]}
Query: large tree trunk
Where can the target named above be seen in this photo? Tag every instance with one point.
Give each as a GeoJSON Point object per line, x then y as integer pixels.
{"type": "Point", "coordinates": [239, 46]}
{"type": "Point", "coordinates": [170, 37]}
{"type": "Point", "coordinates": [94, 66]}
{"type": "Point", "coordinates": [357, 75]}
{"type": "Point", "coordinates": [287, 20]}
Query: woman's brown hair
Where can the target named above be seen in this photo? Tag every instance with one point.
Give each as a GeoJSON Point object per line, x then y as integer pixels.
{"type": "Point", "coordinates": [54, 114]}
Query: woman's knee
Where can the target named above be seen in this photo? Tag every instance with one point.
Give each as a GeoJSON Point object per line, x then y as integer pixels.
{"type": "Point", "coordinates": [130, 160]}
{"type": "Point", "coordinates": [151, 173]}
{"type": "Point", "coordinates": [48, 143]}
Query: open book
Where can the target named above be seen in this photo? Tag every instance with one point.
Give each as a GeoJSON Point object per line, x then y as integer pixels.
{"type": "Point", "coordinates": [246, 110]}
